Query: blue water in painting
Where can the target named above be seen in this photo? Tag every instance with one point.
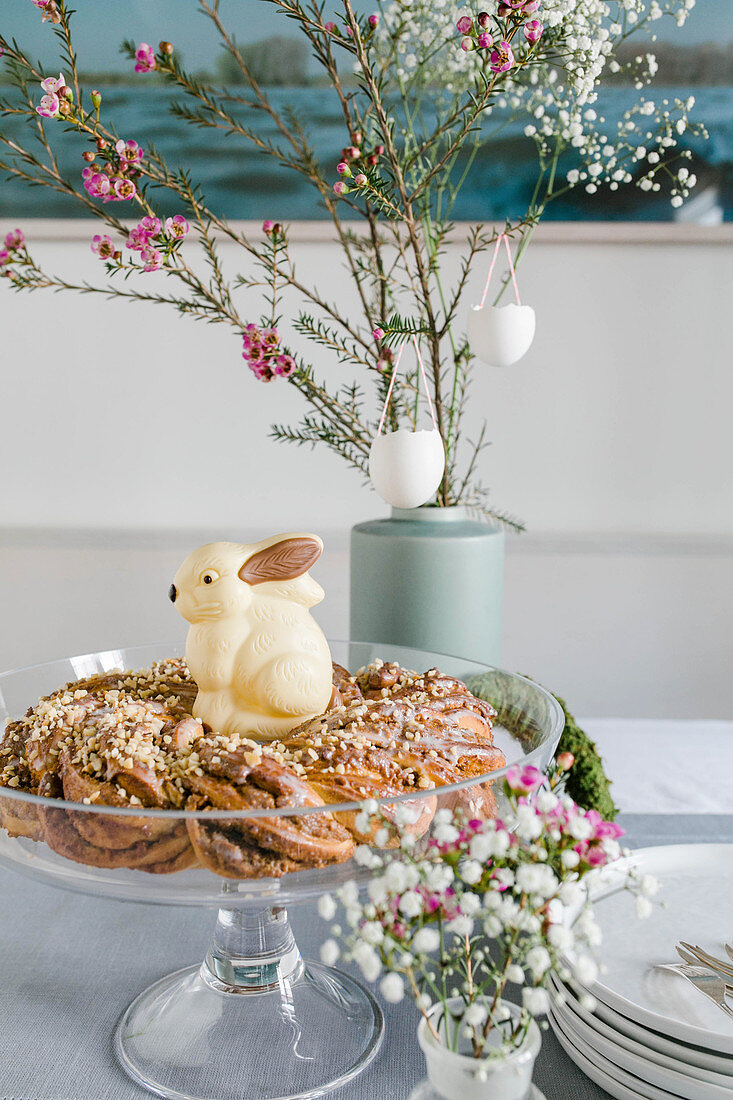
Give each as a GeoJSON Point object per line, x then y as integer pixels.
{"type": "Point", "coordinates": [241, 183]}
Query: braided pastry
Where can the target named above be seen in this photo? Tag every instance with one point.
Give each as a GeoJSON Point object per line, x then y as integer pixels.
{"type": "Point", "coordinates": [126, 739]}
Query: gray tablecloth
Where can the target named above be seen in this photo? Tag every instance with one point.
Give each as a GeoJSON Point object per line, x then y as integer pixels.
{"type": "Point", "coordinates": [69, 965]}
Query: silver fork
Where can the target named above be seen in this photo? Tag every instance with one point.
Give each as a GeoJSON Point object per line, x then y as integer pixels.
{"type": "Point", "coordinates": [703, 980]}
{"type": "Point", "coordinates": [698, 957]}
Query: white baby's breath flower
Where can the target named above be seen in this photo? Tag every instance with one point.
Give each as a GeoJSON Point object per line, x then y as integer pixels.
{"type": "Point", "coordinates": [425, 941]}
{"type": "Point", "coordinates": [330, 953]}
{"type": "Point", "coordinates": [475, 1015]}
{"type": "Point", "coordinates": [538, 960]}
{"type": "Point", "coordinates": [367, 960]}
{"type": "Point", "coordinates": [411, 904]}
{"type": "Point", "coordinates": [326, 907]}
{"type": "Point", "coordinates": [515, 974]}
{"type": "Point", "coordinates": [644, 908]}
{"type": "Point", "coordinates": [372, 932]}
{"type": "Point", "coordinates": [585, 970]}
{"type": "Point", "coordinates": [536, 1001]}
{"type": "Point", "coordinates": [471, 871]}
{"type": "Point", "coordinates": [392, 988]}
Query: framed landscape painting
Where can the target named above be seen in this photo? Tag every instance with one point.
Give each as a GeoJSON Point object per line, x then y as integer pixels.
{"type": "Point", "coordinates": [695, 61]}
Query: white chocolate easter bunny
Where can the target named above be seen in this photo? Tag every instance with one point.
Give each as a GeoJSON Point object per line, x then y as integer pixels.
{"type": "Point", "coordinates": [260, 660]}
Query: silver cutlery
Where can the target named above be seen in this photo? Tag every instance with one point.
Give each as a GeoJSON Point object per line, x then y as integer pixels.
{"type": "Point", "coordinates": [712, 986]}
{"type": "Point", "coordinates": [695, 960]}
{"type": "Point", "coordinates": [706, 959]}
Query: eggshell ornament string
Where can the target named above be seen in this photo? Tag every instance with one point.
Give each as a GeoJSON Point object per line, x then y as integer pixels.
{"type": "Point", "coordinates": [500, 335]}
{"type": "Point", "coordinates": [502, 237]}
{"type": "Point", "coordinates": [406, 467]}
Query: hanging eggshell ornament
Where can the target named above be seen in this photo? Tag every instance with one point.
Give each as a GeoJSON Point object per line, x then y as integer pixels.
{"type": "Point", "coordinates": [500, 335]}
{"type": "Point", "coordinates": [406, 467]}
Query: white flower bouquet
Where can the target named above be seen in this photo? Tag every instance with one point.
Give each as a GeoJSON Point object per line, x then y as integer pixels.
{"type": "Point", "coordinates": [482, 906]}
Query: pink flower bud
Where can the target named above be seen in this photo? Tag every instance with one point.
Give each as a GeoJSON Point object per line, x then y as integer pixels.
{"type": "Point", "coordinates": [531, 5]}
{"type": "Point", "coordinates": [96, 98]}
{"type": "Point", "coordinates": [330, 27]}
{"type": "Point", "coordinates": [483, 19]}
{"type": "Point", "coordinates": [374, 20]}
{"type": "Point", "coordinates": [378, 333]}
{"type": "Point", "coordinates": [343, 169]}
{"type": "Point", "coordinates": [464, 24]}
{"type": "Point", "coordinates": [533, 30]}
{"type": "Point", "coordinates": [485, 41]}
{"type": "Point", "coordinates": [360, 179]}
{"type": "Point", "coordinates": [565, 761]}
{"type": "Point", "coordinates": [340, 188]}
{"type": "Point", "coordinates": [467, 45]}
{"type": "Point", "coordinates": [267, 227]}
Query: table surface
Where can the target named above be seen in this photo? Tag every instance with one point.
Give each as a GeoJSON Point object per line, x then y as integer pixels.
{"type": "Point", "coordinates": [71, 964]}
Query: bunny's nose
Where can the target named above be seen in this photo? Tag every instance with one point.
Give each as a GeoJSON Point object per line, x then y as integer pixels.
{"type": "Point", "coordinates": [172, 593]}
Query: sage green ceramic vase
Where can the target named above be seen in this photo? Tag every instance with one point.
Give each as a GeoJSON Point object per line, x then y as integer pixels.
{"type": "Point", "coordinates": [431, 578]}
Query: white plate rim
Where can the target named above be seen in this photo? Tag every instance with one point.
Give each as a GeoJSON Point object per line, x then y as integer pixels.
{"type": "Point", "coordinates": [656, 860]}
{"type": "Point", "coordinates": [613, 1034]}
{"type": "Point", "coordinates": [646, 1069]}
{"type": "Point", "coordinates": [613, 1086]}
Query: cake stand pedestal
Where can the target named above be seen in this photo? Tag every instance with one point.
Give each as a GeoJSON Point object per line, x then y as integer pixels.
{"type": "Point", "coordinates": [254, 1020]}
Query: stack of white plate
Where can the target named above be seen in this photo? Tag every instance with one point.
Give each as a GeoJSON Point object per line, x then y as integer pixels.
{"type": "Point", "coordinates": [652, 1034]}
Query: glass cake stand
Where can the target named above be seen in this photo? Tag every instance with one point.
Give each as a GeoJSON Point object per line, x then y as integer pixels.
{"type": "Point", "coordinates": [253, 1020]}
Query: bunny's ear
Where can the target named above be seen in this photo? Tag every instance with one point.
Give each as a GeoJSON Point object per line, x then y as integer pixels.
{"type": "Point", "coordinates": [284, 561]}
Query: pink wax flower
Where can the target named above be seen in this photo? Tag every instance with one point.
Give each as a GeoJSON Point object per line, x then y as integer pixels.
{"type": "Point", "coordinates": [485, 41]}
{"type": "Point", "coordinates": [267, 227]}
{"type": "Point", "coordinates": [378, 333]}
{"type": "Point", "coordinates": [4, 257]}
{"type": "Point", "coordinates": [515, 4]}
{"type": "Point", "coordinates": [502, 58]}
{"type": "Point", "coordinates": [52, 86]}
{"type": "Point", "coordinates": [14, 240]}
{"type": "Point", "coordinates": [123, 189]}
{"type": "Point", "coordinates": [330, 27]}
{"type": "Point", "coordinates": [464, 24]}
{"type": "Point", "coordinates": [467, 45]}
{"type": "Point", "coordinates": [96, 184]}
{"type": "Point", "coordinates": [374, 20]}
{"type": "Point", "coordinates": [49, 107]}
{"type": "Point", "coordinates": [284, 366]}
{"type": "Point", "coordinates": [176, 227]}
{"type": "Point", "coordinates": [340, 188]}
{"type": "Point", "coordinates": [138, 240]}
{"type": "Point", "coordinates": [483, 19]}
{"type": "Point", "coordinates": [151, 226]}
{"type": "Point", "coordinates": [343, 169]}
{"type": "Point", "coordinates": [145, 59]}
{"type": "Point", "coordinates": [103, 246]}
{"type": "Point", "coordinates": [360, 179]}
{"type": "Point", "coordinates": [152, 259]}
{"type": "Point", "coordinates": [524, 780]}
{"type": "Point", "coordinates": [531, 6]}
{"type": "Point", "coordinates": [130, 154]}
{"type": "Point", "coordinates": [533, 30]}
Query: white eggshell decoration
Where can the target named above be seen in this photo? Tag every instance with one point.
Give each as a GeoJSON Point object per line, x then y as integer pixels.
{"type": "Point", "coordinates": [500, 335]}
{"type": "Point", "coordinates": [407, 467]}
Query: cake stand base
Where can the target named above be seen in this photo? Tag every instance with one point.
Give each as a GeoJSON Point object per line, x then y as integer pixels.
{"type": "Point", "coordinates": [264, 1026]}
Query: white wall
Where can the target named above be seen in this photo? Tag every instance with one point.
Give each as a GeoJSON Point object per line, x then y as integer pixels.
{"type": "Point", "coordinates": [129, 432]}
{"type": "Point", "coordinates": [616, 421]}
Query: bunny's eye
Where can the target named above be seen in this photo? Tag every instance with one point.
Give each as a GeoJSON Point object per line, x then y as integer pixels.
{"type": "Point", "coordinates": [209, 577]}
